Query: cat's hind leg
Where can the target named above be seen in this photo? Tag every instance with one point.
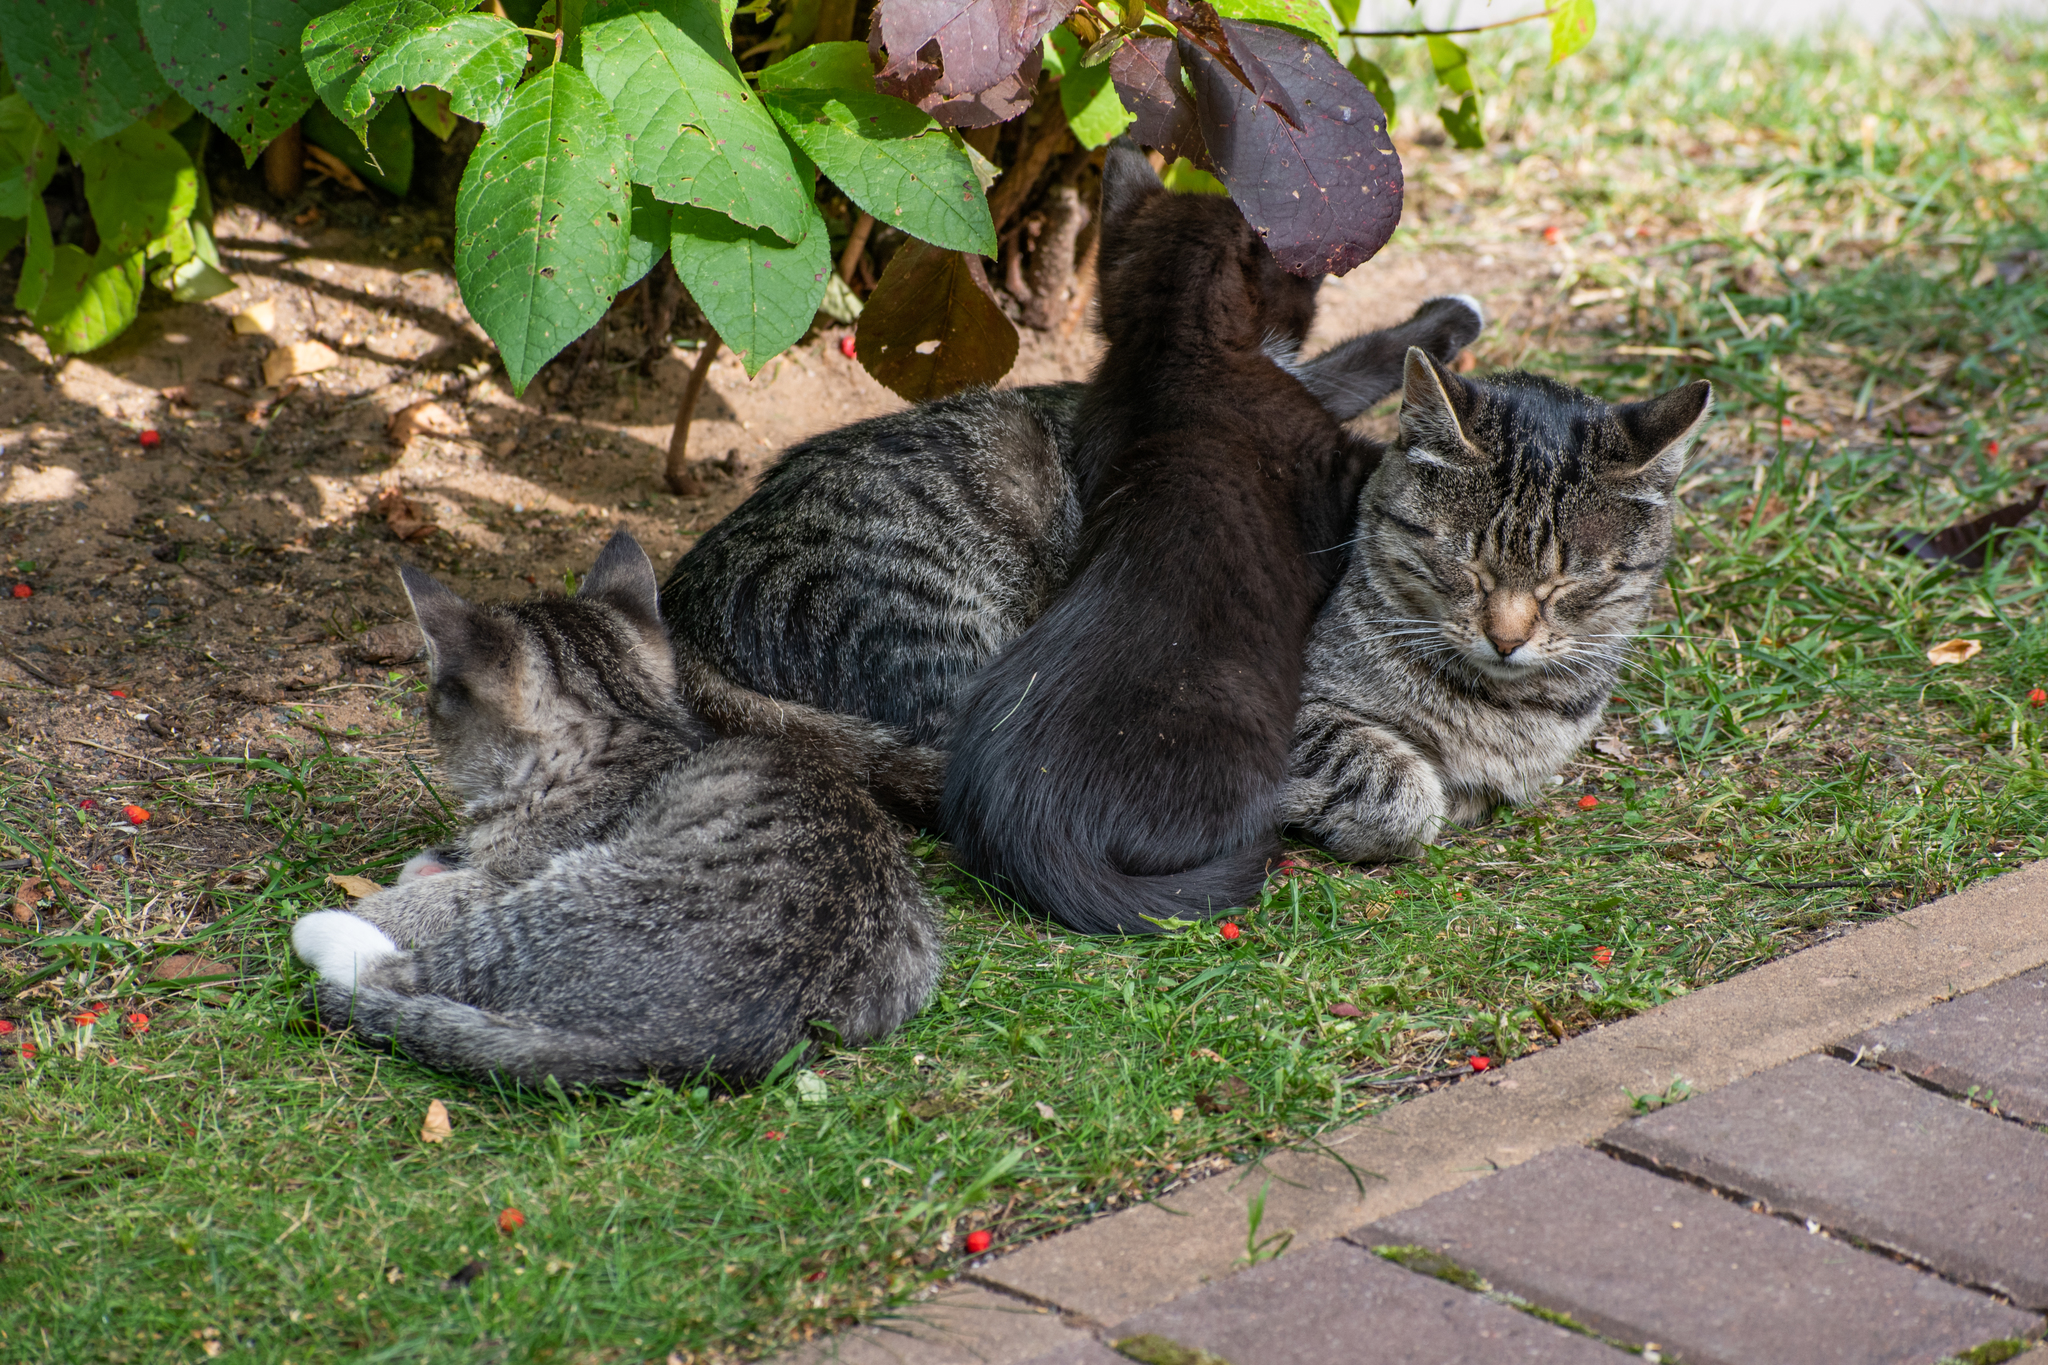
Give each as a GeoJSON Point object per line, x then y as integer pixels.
{"type": "Point", "coordinates": [341, 947]}
{"type": "Point", "coordinates": [424, 906]}
{"type": "Point", "coordinates": [1358, 789]}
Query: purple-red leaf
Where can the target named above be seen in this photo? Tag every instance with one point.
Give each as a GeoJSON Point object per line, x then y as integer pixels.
{"type": "Point", "coordinates": [1325, 194]}
{"type": "Point", "coordinates": [1146, 73]}
{"type": "Point", "coordinates": [932, 325]}
{"type": "Point", "coordinates": [982, 43]}
{"type": "Point", "coordinates": [924, 81]}
{"type": "Point", "coordinates": [1967, 543]}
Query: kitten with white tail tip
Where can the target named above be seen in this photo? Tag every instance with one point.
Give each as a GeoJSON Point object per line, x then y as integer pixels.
{"type": "Point", "coordinates": [340, 946]}
{"type": "Point", "coordinates": [630, 899]}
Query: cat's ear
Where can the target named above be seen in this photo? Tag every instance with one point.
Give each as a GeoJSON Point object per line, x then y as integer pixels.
{"type": "Point", "coordinates": [623, 577]}
{"type": "Point", "coordinates": [1128, 180]}
{"type": "Point", "coordinates": [1661, 432]}
{"type": "Point", "coordinates": [444, 618]}
{"type": "Point", "coordinates": [1436, 412]}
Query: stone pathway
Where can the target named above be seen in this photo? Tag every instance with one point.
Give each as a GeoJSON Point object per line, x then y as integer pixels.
{"type": "Point", "coordinates": [1861, 1177]}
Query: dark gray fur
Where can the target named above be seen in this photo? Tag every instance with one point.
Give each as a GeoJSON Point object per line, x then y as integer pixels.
{"type": "Point", "coordinates": [878, 567]}
{"type": "Point", "coordinates": [1506, 553]}
{"type": "Point", "coordinates": [632, 897]}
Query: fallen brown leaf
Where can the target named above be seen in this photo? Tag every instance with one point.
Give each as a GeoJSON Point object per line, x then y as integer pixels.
{"type": "Point", "coordinates": [25, 897]}
{"type": "Point", "coordinates": [301, 357]}
{"type": "Point", "coordinates": [436, 1128]}
{"type": "Point", "coordinates": [1612, 746]}
{"type": "Point", "coordinates": [424, 418]}
{"type": "Point", "coordinates": [1229, 1093]}
{"type": "Point", "coordinates": [180, 966]}
{"type": "Point", "coordinates": [355, 886]}
{"type": "Point", "coordinates": [323, 162]}
{"type": "Point", "coordinates": [407, 519]}
{"type": "Point", "coordinates": [1954, 652]}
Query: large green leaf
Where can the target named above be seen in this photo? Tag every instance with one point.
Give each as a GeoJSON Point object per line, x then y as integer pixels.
{"type": "Point", "coordinates": [81, 63]}
{"type": "Point", "coordinates": [698, 135]}
{"type": "Point", "coordinates": [647, 239]}
{"type": "Point", "coordinates": [78, 302]}
{"type": "Point", "coordinates": [476, 58]}
{"type": "Point", "coordinates": [337, 46]}
{"type": "Point", "coordinates": [1571, 28]}
{"type": "Point", "coordinates": [821, 66]}
{"type": "Point", "coordinates": [237, 61]}
{"type": "Point", "coordinates": [28, 155]}
{"type": "Point", "coordinates": [140, 185]}
{"type": "Point", "coordinates": [1310, 18]}
{"type": "Point", "coordinates": [892, 159]}
{"type": "Point", "coordinates": [381, 154]}
{"type": "Point", "coordinates": [758, 291]}
{"type": "Point", "coordinates": [1094, 111]}
{"type": "Point", "coordinates": [541, 220]}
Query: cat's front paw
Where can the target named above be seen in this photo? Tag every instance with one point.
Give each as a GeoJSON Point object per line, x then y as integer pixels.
{"type": "Point", "coordinates": [430, 862]}
{"type": "Point", "coordinates": [339, 945]}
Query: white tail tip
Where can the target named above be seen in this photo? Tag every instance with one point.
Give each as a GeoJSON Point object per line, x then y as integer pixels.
{"type": "Point", "coordinates": [339, 945]}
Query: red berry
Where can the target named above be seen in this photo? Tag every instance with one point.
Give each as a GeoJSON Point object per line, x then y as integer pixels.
{"type": "Point", "coordinates": [138, 1023]}
{"type": "Point", "coordinates": [1603, 956]}
{"type": "Point", "coordinates": [1230, 931]}
{"type": "Point", "coordinates": [2037, 697]}
{"type": "Point", "coordinates": [134, 815]}
{"type": "Point", "coordinates": [24, 590]}
{"type": "Point", "coordinates": [1588, 801]}
{"type": "Point", "coordinates": [86, 1018]}
{"type": "Point", "coordinates": [87, 804]}
{"type": "Point", "coordinates": [511, 1220]}
{"type": "Point", "coordinates": [1991, 447]}
{"type": "Point", "coordinates": [978, 1241]}
{"type": "Point", "coordinates": [814, 1277]}
{"type": "Point", "coordinates": [771, 1136]}
{"type": "Point", "coordinates": [846, 347]}
{"type": "Point", "coordinates": [117, 692]}
{"type": "Point", "coordinates": [1553, 235]}
{"type": "Point", "coordinates": [6, 1026]}
{"type": "Point", "coordinates": [28, 1051]}
{"type": "Point", "coordinates": [1480, 1063]}
{"type": "Point", "coordinates": [151, 438]}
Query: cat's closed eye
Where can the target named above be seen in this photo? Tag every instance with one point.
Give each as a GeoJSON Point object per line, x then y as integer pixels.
{"type": "Point", "coordinates": [1410, 527]}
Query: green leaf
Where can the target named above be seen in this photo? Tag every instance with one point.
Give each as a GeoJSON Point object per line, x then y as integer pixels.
{"type": "Point", "coordinates": [177, 266]}
{"type": "Point", "coordinates": [1094, 111]}
{"type": "Point", "coordinates": [385, 159]}
{"type": "Point", "coordinates": [337, 46]}
{"type": "Point", "coordinates": [821, 66]}
{"type": "Point", "coordinates": [541, 220]}
{"type": "Point", "coordinates": [892, 159]}
{"type": "Point", "coordinates": [1462, 123]}
{"type": "Point", "coordinates": [1452, 69]}
{"type": "Point", "coordinates": [647, 238]}
{"type": "Point", "coordinates": [237, 61]}
{"type": "Point", "coordinates": [1309, 18]}
{"type": "Point", "coordinates": [78, 302]}
{"type": "Point", "coordinates": [430, 106]}
{"type": "Point", "coordinates": [1185, 177]}
{"type": "Point", "coordinates": [81, 63]}
{"type": "Point", "coordinates": [758, 291]}
{"type": "Point", "coordinates": [28, 156]}
{"type": "Point", "coordinates": [139, 184]}
{"type": "Point", "coordinates": [12, 230]}
{"type": "Point", "coordinates": [1347, 12]}
{"type": "Point", "coordinates": [1571, 28]}
{"type": "Point", "coordinates": [698, 135]}
{"type": "Point", "coordinates": [476, 59]}
{"type": "Point", "coordinates": [1374, 78]}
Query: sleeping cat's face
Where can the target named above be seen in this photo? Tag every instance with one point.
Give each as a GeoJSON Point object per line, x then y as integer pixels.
{"type": "Point", "coordinates": [527, 693]}
{"type": "Point", "coordinates": [1524, 525]}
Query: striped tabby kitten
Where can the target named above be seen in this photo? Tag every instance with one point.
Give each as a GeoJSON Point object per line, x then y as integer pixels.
{"type": "Point", "coordinates": [1506, 551]}
{"type": "Point", "coordinates": [632, 897]}
{"type": "Point", "coordinates": [879, 566]}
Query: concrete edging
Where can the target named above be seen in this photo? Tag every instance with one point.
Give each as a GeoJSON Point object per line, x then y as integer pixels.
{"type": "Point", "coordinates": [1055, 1294]}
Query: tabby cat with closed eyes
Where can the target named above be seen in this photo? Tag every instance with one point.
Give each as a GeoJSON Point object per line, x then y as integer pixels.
{"type": "Point", "coordinates": [1506, 552]}
{"type": "Point", "coordinates": [632, 897]}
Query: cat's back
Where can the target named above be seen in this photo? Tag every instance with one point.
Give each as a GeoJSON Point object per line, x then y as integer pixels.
{"type": "Point", "coordinates": [878, 565]}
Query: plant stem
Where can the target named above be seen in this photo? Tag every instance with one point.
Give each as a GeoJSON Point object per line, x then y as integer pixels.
{"type": "Point", "coordinates": [1441, 32]}
{"type": "Point", "coordinates": [856, 242]}
{"type": "Point", "coordinates": [679, 481]}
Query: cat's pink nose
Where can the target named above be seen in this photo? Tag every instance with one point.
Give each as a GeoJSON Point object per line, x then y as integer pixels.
{"type": "Point", "coordinates": [1506, 644]}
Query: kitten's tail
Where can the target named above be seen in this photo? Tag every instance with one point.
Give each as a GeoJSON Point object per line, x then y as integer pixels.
{"type": "Point", "coordinates": [905, 777]}
{"type": "Point", "coordinates": [448, 1035]}
{"type": "Point", "coordinates": [1075, 883]}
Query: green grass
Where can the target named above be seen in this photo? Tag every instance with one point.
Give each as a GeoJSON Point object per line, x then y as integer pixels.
{"type": "Point", "coordinates": [1793, 763]}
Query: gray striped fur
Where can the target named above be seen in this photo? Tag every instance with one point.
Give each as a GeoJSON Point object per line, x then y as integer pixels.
{"type": "Point", "coordinates": [1505, 554]}
{"type": "Point", "coordinates": [632, 898]}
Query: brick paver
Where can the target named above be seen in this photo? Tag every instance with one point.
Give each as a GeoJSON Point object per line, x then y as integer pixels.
{"type": "Point", "coordinates": [1875, 1156]}
{"type": "Point", "coordinates": [1643, 1258]}
{"type": "Point", "coordinates": [1339, 1305]}
{"type": "Point", "coordinates": [1994, 1041]}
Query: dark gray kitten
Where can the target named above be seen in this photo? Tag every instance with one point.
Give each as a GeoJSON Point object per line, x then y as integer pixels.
{"type": "Point", "coordinates": [1507, 550]}
{"type": "Point", "coordinates": [632, 898]}
{"type": "Point", "coordinates": [879, 566]}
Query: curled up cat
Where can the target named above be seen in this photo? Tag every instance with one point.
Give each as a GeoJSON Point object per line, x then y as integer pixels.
{"type": "Point", "coordinates": [632, 898]}
{"type": "Point", "coordinates": [879, 566]}
{"type": "Point", "coordinates": [1506, 552]}
{"type": "Point", "coordinates": [1118, 766]}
